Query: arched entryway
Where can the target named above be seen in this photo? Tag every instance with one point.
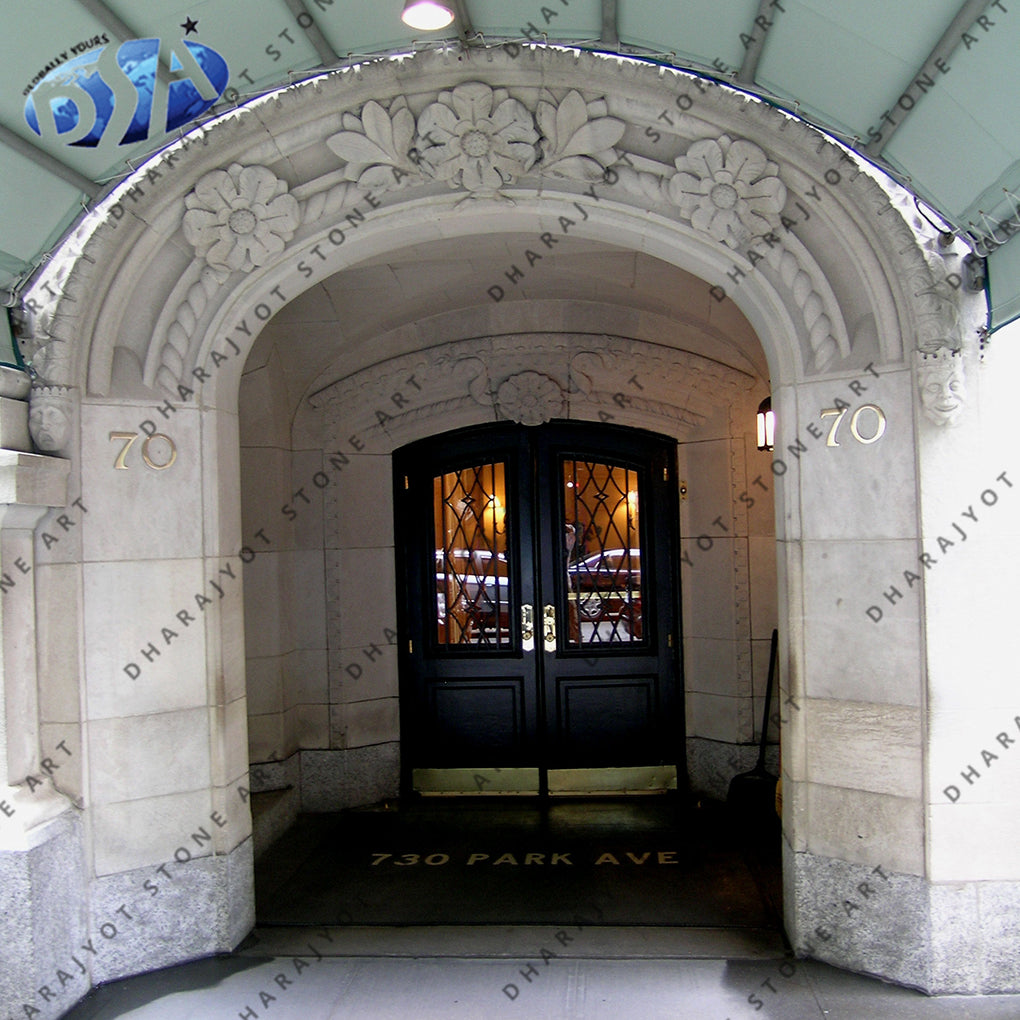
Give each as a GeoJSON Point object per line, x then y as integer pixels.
{"type": "Point", "coordinates": [152, 331]}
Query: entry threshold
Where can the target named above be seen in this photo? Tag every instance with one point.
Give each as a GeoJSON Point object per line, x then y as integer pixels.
{"type": "Point", "coordinates": [526, 782]}
{"type": "Point", "coordinates": [496, 942]}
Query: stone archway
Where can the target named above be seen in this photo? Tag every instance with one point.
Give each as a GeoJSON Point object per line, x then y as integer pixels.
{"type": "Point", "coordinates": [147, 321]}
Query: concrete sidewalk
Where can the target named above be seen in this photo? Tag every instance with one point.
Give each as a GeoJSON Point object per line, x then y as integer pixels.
{"type": "Point", "coordinates": [493, 973]}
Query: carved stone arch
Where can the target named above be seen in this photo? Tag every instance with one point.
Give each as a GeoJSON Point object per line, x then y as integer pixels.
{"type": "Point", "coordinates": [139, 284]}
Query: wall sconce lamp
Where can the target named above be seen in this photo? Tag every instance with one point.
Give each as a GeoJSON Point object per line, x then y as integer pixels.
{"type": "Point", "coordinates": [427, 15]}
{"type": "Point", "coordinates": [766, 425]}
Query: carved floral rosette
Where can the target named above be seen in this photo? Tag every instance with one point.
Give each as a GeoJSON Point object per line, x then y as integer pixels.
{"type": "Point", "coordinates": [530, 398]}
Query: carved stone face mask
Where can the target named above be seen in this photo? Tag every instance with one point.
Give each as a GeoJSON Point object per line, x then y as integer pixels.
{"type": "Point", "coordinates": [942, 390]}
{"type": "Point", "coordinates": [49, 422]}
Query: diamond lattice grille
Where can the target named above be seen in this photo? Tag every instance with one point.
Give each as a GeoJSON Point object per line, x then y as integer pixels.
{"type": "Point", "coordinates": [472, 579]}
{"type": "Point", "coordinates": [604, 556]}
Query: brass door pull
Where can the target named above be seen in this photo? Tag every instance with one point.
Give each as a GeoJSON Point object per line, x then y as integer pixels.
{"type": "Point", "coordinates": [549, 628]}
{"type": "Point", "coordinates": [528, 628]}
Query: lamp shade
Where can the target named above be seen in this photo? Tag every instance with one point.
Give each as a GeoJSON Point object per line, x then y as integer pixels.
{"type": "Point", "coordinates": [766, 425]}
{"type": "Point", "coordinates": [427, 15]}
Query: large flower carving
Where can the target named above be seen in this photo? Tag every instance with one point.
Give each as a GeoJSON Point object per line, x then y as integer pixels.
{"type": "Point", "coordinates": [729, 189]}
{"type": "Point", "coordinates": [239, 218]}
{"type": "Point", "coordinates": [530, 398]}
{"type": "Point", "coordinates": [477, 138]}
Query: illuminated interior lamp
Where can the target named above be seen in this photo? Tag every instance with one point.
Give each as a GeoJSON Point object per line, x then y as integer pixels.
{"type": "Point", "coordinates": [766, 425]}
{"type": "Point", "coordinates": [426, 15]}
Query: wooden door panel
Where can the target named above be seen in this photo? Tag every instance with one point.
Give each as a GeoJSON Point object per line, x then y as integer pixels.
{"type": "Point", "coordinates": [574, 523]}
{"type": "Point", "coordinates": [604, 722]}
{"type": "Point", "coordinates": [480, 720]}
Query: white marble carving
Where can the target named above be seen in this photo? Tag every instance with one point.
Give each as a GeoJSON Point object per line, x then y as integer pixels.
{"type": "Point", "coordinates": [50, 417]}
{"type": "Point", "coordinates": [477, 138]}
{"type": "Point", "coordinates": [577, 138]}
{"type": "Point", "coordinates": [573, 376]}
{"type": "Point", "coordinates": [727, 188]}
{"type": "Point", "coordinates": [239, 218]}
{"type": "Point", "coordinates": [48, 358]}
{"type": "Point", "coordinates": [941, 382]}
{"type": "Point", "coordinates": [530, 398]}
{"type": "Point", "coordinates": [374, 143]}
{"type": "Point", "coordinates": [483, 139]}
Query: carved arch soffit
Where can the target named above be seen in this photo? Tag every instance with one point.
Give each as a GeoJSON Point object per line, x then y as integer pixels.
{"type": "Point", "coordinates": [569, 374]}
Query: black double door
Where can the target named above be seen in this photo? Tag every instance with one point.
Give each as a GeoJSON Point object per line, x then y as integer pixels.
{"type": "Point", "coordinates": [538, 611]}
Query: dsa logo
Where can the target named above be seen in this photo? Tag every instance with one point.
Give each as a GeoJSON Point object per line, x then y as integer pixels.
{"type": "Point", "coordinates": [115, 93]}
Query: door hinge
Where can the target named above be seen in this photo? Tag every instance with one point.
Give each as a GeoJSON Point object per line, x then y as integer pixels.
{"type": "Point", "coordinates": [407, 482]}
{"type": "Point", "coordinates": [669, 640]}
{"type": "Point", "coordinates": [410, 647]}
{"type": "Point", "coordinates": [665, 474]}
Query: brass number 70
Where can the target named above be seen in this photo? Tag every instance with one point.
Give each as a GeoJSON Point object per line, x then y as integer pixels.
{"type": "Point", "coordinates": [840, 412]}
{"type": "Point", "coordinates": [129, 438]}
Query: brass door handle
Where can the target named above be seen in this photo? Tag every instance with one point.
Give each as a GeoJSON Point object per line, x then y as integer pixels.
{"type": "Point", "coordinates": [549, 628]}
{"type": "Point", "coordinates": [528, 628]}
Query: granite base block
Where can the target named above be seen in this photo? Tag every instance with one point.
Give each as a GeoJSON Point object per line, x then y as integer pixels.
{"type": "Point", "coordinates": [711, 764]}
{"type": "Point", "coordinates": [43, 923]}
{"type": "Point", "coordinates": [143, 920]}
{"type": "Point", "coordinates": [859, 917]}
{"type": "Point", "coordinates": [275, 775]}
{"type": "Point", "coordinates": [959, 938]}
{"type": "Point", "coordinates": [337, 779]}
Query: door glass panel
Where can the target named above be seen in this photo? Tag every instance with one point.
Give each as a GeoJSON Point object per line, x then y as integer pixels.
{"type": "Point", "coordinates": [472, 596]}
{"type": "Point", "coordinates": [603, 554]}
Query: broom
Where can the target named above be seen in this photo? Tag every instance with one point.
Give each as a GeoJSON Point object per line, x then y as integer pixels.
{"type": "Point", "coordinates": [754, 791]}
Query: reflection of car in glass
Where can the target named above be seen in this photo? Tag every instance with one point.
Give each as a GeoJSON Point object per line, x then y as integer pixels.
{"type": "Point", "coordinates": [607, 586]}
{"type": "Point", "coordinates": [476, 585]}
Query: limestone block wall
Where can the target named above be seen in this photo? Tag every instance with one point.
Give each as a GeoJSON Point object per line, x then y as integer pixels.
{"type": "Point", "coordinates": [728, 597]}
{"type": "Point", "coordinates": [284, 583]}
{"type": "Point", "coordinates": [326, 700]}
{"type": "Point", "coordinates": [853, 780]}
{"type": "Point", "coordinates": [884, 717]}
{"type": "Point", "coordinates": [319, 607]}
{"type": "Point", "coordinates": [970, 497]}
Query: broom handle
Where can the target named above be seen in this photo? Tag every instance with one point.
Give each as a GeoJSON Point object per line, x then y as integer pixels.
{"type": "Point", "coordinates": [773, 654]}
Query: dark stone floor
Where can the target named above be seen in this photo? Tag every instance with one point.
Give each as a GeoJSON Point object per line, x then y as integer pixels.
{"type": "Point", "coordinates": [636, 861]}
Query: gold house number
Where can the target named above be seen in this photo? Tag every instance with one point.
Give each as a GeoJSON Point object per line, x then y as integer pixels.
{"type": "Point", "coordinates": [839, 413]}
{"type": "Point", "coordinates": [166, 450]}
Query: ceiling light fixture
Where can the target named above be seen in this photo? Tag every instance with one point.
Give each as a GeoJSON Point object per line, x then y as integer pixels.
{"type": "Point", "coordinates": [427, 15]}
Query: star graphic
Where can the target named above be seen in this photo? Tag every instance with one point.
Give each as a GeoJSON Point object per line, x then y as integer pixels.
{"type": "Point", "coordinates": [190, 26]}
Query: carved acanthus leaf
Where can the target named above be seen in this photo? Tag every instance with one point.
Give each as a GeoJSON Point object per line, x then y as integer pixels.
{"type": "Point", "coordinates": [577, 138]}
{"type": "Point", "coordinates": [377, 147]}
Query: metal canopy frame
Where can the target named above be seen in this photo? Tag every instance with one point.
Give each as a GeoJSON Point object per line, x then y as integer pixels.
{"type": "Point", "coordinates": [768, 29]}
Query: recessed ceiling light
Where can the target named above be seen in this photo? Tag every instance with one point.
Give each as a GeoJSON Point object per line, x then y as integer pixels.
{"type": "Point", "coordinates": [426, 15]}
